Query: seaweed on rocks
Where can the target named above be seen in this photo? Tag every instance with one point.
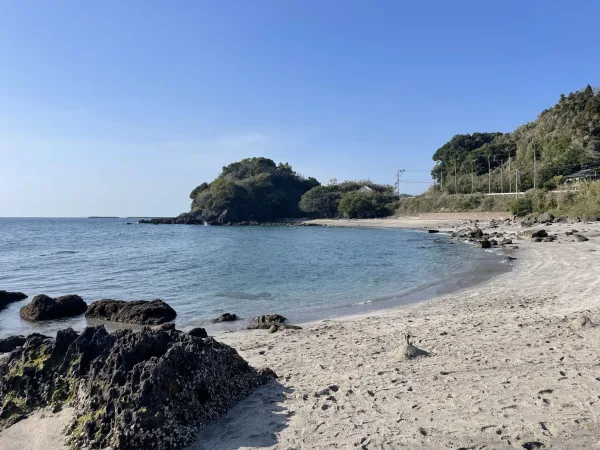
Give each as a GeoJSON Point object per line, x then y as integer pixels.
{"type": "Point", "coordinates": [151, 389]}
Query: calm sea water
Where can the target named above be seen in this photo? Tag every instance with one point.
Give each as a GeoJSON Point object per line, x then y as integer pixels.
{"type": "Point", "coordinates": [303, 273]}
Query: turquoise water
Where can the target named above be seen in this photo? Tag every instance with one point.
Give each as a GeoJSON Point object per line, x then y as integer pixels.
{"type": "Point", "coordinates": [303, 273]}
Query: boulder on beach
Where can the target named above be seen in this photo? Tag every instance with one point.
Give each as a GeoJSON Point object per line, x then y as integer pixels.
{"type": "Point", "coordinates": [153, 312]}
{"type": "Point", "coordinates": [43, 307]}
{"type": "Point", "coordinates": [226, 317]}
{"type": "Point", "coordinates": [10, 297]}
{"type": "Point", "coordinates": [265, 322]}
{"type": "Point", "coordinates": [580, 238]}
{"type": "Point", "coordinates": [484, 243]}
{"type": "Point", "coordinates": [536, 233]}
{"type": "Point", "coordinates": [545, 218]}
{"type": "Point", "coordinates": [129, 389]}
{"type": "Point", "coordinates": [474, 233]}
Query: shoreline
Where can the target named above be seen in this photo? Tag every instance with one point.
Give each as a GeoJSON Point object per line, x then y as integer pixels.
{"type": "Point", "coordinates": [509, 364]}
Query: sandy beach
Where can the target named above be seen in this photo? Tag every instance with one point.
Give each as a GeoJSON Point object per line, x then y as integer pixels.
{"type": "Point", "coordinates": [511, 365]}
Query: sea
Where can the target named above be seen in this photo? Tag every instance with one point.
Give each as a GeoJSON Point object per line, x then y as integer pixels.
{"type": "Point", "coordinates": [303, 273]}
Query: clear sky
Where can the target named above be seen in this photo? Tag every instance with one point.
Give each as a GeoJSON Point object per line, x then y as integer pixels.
{"type": "Point", "coordinates": [123, 107]}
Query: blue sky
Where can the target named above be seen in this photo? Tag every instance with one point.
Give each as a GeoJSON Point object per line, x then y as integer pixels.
{"type": "Point", "coordinates": [122, 108]}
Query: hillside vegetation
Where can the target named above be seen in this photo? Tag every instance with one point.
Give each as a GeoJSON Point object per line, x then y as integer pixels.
{"type": "Point", "coordinates": [563, 139]}
{"type": "Point", "coordinates": [583, 202]}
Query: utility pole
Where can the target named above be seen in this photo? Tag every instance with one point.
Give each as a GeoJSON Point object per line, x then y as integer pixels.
{"type": "Point", "coordinates": [455, 188]}
{"type": "Point", "coordinates": [534, 172]}
{"type": "Point", "coordinates": [509, 179]}
{"type": "Point", "coordinates": [399, 173]}
{"type": "Point", "coordinates": [516, 183]}
{"type": "Point", "coordinates": [472, 177]}
{"type": "Point", "coordinates": [441, 181]}
{"type": "Point", "coordinates": [501, 178]}
{"type": "Point", "coordinates": [489, 175]}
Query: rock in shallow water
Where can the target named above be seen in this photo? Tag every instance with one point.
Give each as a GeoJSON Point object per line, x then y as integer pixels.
{"type": "Point", "coordinates": [266, 322]}
{"type": "Point", "coordinates": [141, 312]}
{"type": "Point", "coordinates": [43, 307]}
{"type": "Point", "coordinates": [226, 317]}
{"type": "Point", "coordinates": [146, 389]}
{"type": "Point", "coordinates": [9, 297]}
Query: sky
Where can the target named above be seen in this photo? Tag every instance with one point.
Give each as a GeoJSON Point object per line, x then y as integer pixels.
{"type": "Point", "coordinates": [123, 107]}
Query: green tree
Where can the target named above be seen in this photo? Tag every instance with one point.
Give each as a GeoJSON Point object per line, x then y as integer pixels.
{"type": "Point", "coordinates": [321, 201]}
{"type": "Point", "coordinates": [365, 205]}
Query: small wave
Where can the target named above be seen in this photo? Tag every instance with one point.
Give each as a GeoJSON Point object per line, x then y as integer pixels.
{"type": "Point", "coordinates": [366, 302]}
{"type": "Point", "coordinates": [60, 252]}
{"type": "Point", "coordinates": [243, 295]}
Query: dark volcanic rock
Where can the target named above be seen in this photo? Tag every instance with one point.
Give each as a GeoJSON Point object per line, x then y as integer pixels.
{"type": "Point", "coordinates": [9, 297]}
{"type": "Point", "coordinates": [43, 307]}
{"type": "Point", "coordinates": [433, 231]}
{"type": "Point", "coordinates": [198, 332]}
{"type": "Point", "coordinates": [183, 218]}
{"type": "Point", "coordinates": [536, 233]}
{"type": "Point", "coordinates": [475, 233]}
{"type": "Point", "coordinates": [142, 312]}
{"type": "Point", "coordinates": [227, 317]}
{"type": "Point", "coordinates": [8, 344]}
{"type": "Point", "coordinates": [580, 238]}
{"type": "Point", "coordinates": [484, 243]}
{"type": "Point", "coordinates": [266, 322]}
{"type": "Point", "coordinates": [148, 389]}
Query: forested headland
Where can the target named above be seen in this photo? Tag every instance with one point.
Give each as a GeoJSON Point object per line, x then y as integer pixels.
{"type": "Point", "coordinates": [534, 160]}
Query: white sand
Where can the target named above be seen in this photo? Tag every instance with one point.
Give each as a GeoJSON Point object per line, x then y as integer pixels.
{"type": "Point", "coordinates": [507, 366]}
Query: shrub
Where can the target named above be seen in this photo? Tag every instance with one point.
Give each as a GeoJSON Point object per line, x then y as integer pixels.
{"type": "Point", "coordinates": [521, 206]}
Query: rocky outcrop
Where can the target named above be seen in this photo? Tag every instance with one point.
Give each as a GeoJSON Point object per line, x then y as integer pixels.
{"type": "Point", "coordinates": [484, 243]}
{"type": "Point", "coordinates": [10, 297]}
{"type": "Point", "coordinates": [226, 317]}
{"type": "Point", "coordinates": [8, 344]}
{"type": "Point", "coordinates": [545, 218]}
{"type": "Point", "coordinates": [536, 233]}
{"type": "Point", "coordinates": [183, 219]}
{"type": "Point", "coordinates": [142, 312]}
{"type": "Point", "coordinates": [148, 389]}
{"type": "Point", "coordinates": [43, 307]}
{"type": "Point", "coordinates": [266, 322]}
{"type": "Point", "coordinates": [198, 332]}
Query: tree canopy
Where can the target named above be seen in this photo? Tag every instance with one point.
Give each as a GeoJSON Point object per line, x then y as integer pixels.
{"type": "Point", "coordinates": [346, 200]}
{"type": "Point", "coordinates": [251, 189]}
